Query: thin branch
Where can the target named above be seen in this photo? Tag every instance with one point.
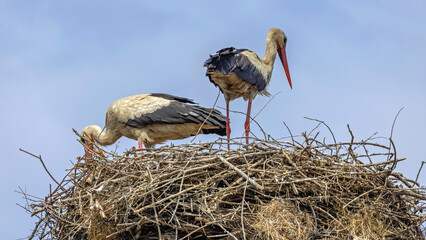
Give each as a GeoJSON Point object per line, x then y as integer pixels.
{"type": "Point", "coordinates": [44, 166]}
{"type": "Point", "coordinates": [252, 120]}
{"type": "Point", "coordinates": [420, 169]}
{"type": "Point", "coordinates": [242, 174]}
{"type": "Point", "coordinates": [288, 129]}
{"type": "Point", "coordinates": [264, 106]}
{"type": "Point", "coordinates": [393, 125]}
{"type": "Point", "coordinates": [394, 121]}
{"type": "Point", "coordinates": [322, 122]}
{"type": "Point", "coordinates": [211, 111]}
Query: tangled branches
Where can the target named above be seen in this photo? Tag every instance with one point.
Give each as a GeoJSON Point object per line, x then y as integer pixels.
{"type": "Point", "coordinates": [266, 190]}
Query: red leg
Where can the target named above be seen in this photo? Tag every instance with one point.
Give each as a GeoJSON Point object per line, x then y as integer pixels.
{"type": "Point", "coordinates": [228, 128]}
{"type": "Point", "coordinates": [145, 143]}
{"type": "Point", "coordinates": [140, 145]}
{"type": "Point", "coordinates": [247, 124]}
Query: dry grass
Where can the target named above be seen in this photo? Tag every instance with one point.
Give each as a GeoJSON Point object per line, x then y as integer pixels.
{"type": "Point", "coordinates": [266, 190]}
{"type": "Point", "coordinates": [282, 220]}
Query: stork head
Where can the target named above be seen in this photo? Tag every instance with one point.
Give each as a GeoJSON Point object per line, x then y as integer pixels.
{"type": "Point", "coordinates": [87, 136]}
{"type": "Point", "coordinates": [87, 147]}
{"type": "Point", "coordinates": [279, 37]}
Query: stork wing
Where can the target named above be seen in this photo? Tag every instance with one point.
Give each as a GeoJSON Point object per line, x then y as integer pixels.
{"type": "Point", "coordinates": [229, 60]}
{"type": "Point", "coordinates": [179, 113]}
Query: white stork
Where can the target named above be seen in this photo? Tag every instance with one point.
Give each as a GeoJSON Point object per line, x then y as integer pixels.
{"type": "Point", "coordinates": [154, 118]}
{"type": "Point", "coordinates": [241, 73]}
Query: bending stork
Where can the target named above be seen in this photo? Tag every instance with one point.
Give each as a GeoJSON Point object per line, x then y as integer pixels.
{"type": "Point", "coordinates": [241, 73]}
{"type": "Point", "coordinates": [154, 118]}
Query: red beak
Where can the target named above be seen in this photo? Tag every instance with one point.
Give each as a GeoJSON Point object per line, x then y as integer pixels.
{"type": "Point", "coordinates": [283, 58]}
{"type": "Point", "coordinates": [87, 153]}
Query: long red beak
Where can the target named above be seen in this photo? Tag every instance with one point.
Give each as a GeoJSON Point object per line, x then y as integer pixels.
{"type": "Point", "coordinates": [283, 58]}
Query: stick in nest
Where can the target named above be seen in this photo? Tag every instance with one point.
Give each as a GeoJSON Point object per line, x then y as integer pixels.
{"type": "Point", "coordinates": [199, 190]}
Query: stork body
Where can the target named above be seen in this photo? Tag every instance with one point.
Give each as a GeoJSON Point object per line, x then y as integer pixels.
{"type": "Point", "coordinates": [154, 118]}
{"type": "Point", "coordinates": [241, 73]}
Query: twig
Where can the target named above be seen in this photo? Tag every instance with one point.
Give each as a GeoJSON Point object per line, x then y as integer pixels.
{"type": "Point", "coordinates": [391, 135]}
{"type": "Point", "coordinates": [169, 197]}
{"type": "Point", "coordinates": [264, 106]}
{"type": "Point", "coordinates": [394, 121]}
{"type": "Point", "coordinates": [288, 129]}
{"type": "Point", "coordinates": [350, 150]}
{"type": "Point", "coordinates": [242, 174]}
{"type": "Point", "coordinates": [45, 168]}
{"type": "Point", "coordinates": [205, 120]}
{"type": "Point", "coordinates": [251, 120]}
{"type": "Point", "coordinates": [35, 229]}
{"type": "Point", "coordinates": [242, 210]}
{"type": "Point", "coordinates": [409, 193]}
{"type": "Point", "coordinates": [322, 122]}
{"type": "Point", "coordinates": [394, 156]}
{"type": "Point", "coordinates": [420, 169]}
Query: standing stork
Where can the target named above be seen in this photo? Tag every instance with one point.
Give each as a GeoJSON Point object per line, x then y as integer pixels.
{"type": "Point", "coordinates": [241, 73]}
{"type": "Point", "coordinates": [154, 118]}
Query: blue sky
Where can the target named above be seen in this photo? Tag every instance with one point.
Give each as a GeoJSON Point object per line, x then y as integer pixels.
{"type": "Point", "coordinates": [63, 63]}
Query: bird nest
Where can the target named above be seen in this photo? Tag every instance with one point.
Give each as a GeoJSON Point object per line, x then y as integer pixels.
{"type": "Point", "coordinates": [303, 189]}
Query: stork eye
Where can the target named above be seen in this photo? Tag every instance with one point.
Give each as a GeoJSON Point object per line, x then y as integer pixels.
{"type": "Point", "coordinates": [285, 40]}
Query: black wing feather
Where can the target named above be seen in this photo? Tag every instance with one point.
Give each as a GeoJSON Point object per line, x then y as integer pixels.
{"type": "Point", "coordinates": [229, 60]}
{"type": "Point", "coordinates": [179, 113]}
{"type": "Point", "coordinates": [171, 97]}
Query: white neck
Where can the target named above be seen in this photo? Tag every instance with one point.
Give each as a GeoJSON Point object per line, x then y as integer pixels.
{"type": "Point", "coordinates": [270, 52]}
{"type": "Point", "coordinates": [103, 138]}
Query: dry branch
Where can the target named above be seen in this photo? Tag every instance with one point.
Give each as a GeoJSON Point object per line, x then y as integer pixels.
{"type": "Point", "coordinates": [241, 173]}
{"type": "Point", "coordinates": [266, 190]}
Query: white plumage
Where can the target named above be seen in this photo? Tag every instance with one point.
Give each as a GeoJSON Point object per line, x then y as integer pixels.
{"type": "Point", "coordinates": [154, 118]}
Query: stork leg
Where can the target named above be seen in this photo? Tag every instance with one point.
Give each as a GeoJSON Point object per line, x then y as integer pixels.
{"type": "Point", "coordinates": [228, 128]}
{"type": "Point", "coordinates": [140, 145]}
{"type": "Point", "coordinates": [247, 124]}
{"type": "Point", "coordinates": [143, 143]}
